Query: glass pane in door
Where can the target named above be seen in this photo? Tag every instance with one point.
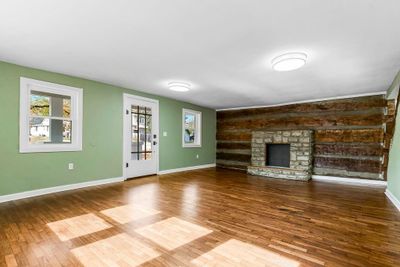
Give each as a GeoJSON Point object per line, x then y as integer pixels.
{"type": "Point", "coordinates": [141, 124]}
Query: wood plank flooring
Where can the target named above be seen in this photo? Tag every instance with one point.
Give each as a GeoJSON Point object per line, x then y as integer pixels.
{"type": "Point", "coordinates": [213, 217]}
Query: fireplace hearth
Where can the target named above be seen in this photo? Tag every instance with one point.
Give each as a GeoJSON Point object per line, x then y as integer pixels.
{"type": "Point", "coordinates": [282, 154]}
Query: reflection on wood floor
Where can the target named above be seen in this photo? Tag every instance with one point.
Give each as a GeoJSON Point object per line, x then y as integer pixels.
{"type": "Point", "coordinates": [210, 217]}
{"type": "Point", "coordinates": [78, 226]}
{"type": "Point", "coordinates": [118, 250]}
{"type": "Point", "coordinates": [129, 213]}
{"type": "Point", "coordinates": [172, 232]}
{"type": "Point", "coordinates": [237, 253]}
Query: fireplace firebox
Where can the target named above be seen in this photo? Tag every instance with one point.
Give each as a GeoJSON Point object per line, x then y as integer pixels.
{"type": "Point", "coordinates": [277, 155]}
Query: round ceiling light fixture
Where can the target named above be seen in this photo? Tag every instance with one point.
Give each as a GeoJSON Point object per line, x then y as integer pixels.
{"type": "Point", "coordinates": [289, 61]}
{"type": "Point", "coordinates": [179, 86]}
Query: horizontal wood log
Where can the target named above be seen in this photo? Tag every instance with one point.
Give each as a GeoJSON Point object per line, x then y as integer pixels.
{"type": "Point", "coordinates": [350, 136]}
{"type": "Point", "coordinates": [357, 165]}
{"type": "Point", "coordinates": [370, 150]}
{"type": "Point", "coordinates": [308, 122]}
{"type": "Point", "coordinates": [385, 161]}
{"type": "Point", "coordinates": [391, 107]}
{"type": "Point", "coordinates": [235, 157]}
{"type": "Point", "coordinates": [234, 136]}
{"type": "Point", "coordinates": [390, 128]}
{"type": "Point", "coordinates": [359, 103]}
{"type": "Point", "coordinates": [246, 145]}
{"type": "Point", "coordinates": [232, 164]}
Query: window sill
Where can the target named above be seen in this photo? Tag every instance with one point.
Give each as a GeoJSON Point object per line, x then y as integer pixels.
{"type": "Point", "coordinates": [50, 149]}
{"type": "Point", "coordinates": [190, 146]}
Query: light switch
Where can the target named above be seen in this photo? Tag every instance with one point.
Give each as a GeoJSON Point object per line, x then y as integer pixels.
{"type": "Point", "coordinates": [164, 133]}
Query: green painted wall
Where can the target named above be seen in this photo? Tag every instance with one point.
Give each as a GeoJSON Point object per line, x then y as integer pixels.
{"type": "Point", "coordinates": [102, 135]}
{"type": "Point", "coordinates": [394, 161]}
{"type": "Point", "coordinates": [394, 87]}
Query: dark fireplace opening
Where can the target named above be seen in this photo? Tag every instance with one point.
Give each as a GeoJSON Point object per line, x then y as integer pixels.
{"type": "Point", "coordinates": [277, 155]}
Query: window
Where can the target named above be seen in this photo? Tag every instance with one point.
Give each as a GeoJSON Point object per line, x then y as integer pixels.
{"type": "Point", "coordinates": [50, 117]}
{"type": "Point", "coordinates": [191, 136]}
{"type": "Point", "coordinates": [141, 141]}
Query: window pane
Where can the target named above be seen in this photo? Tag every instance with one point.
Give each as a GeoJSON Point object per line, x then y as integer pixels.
{"type": "Point", "coordinates": [134, 121]}
{"type": "Point", "coordinates": [39, 131]}
{"type": "Point", "coordinates": [134, 156]}
{"type": "Point", "coordinates": [148, 124]}
{"type": "Point", "coordinates": [148, 156]}
{"type": "Point", "coordinates": [148, 111]}
{"type": "Point", "coordinates": [60, 106]}
{"type": "Point", "coordinates": [149, 137]}
{"type": "Point", "coordinates": [190, 128]}
{"type": "Point", "coordinates": [135, 140]}
{"type": "Point", "coordinates": [45, 104]}
{"type": "Point", "coordinates": [67, 131]}
{"type": "Point", "coordinates": [141, 121]}
{"type": "Point", "coordinates": [49, 131]}
{"type": "Point", "coordinates": [142, 139]}
{"type": "Point", "coordinates": [134, 109]}
{"type": "Point", "coordinates": [134, 128]}
{"type": "Point", "coordinates": [60, 131]}
{"type": "Point", "coordinates": [148, 142]}
{"type": "Point", "coordinates": [67, 107]}
{"type": "Point", "coordinates": [39, 105]}
{"type": "Point", "coordinates": [189, 136]}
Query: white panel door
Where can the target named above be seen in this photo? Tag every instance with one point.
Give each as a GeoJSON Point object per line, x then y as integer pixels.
{"type": "Point", "coordinates": [140, 136]}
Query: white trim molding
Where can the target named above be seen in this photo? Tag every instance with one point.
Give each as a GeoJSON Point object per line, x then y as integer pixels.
{"type": "Point", "coordinates": [27, 86]}
{"type": "Point", "coordinates": [343, 180]}
{"type": "Point", "coordinates": [306, 101]}
{"type": "Point", "coordinates": [198, 124]}
{"type": "Point", "coordinates": [191, 168]}
{"type": "Point", "coordinates": [393, 199]}
{"type": "Point", "coordinates": [61, 188]}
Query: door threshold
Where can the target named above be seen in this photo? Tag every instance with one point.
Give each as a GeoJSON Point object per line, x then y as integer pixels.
{"type": "Point", "coordinates": [142, 176]}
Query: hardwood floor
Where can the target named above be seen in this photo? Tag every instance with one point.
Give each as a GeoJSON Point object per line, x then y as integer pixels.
{"type": "Point", "coordinates": [212, 217]}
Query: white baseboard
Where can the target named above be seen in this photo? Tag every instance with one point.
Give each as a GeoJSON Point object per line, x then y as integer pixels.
{"type": "Point", "coordinates": [56, 189]}
{"type": "Point", "coordinates": [356, 181]}
{"type": "Point", "coordinates": [392, 198]}
{"type": "Point", "coordinates": [187, 168]}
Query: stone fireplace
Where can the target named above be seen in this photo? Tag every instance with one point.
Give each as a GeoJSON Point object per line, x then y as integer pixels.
{"type": "Point", "coordinates": [282, 154]}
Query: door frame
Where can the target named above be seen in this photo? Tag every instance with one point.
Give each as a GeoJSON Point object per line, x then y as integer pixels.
{"type": "Point", "coordinates": [125, 97]}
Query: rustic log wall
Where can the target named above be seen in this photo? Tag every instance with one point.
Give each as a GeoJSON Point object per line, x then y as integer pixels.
{"type": "Point", "coordinates": [350, 134]}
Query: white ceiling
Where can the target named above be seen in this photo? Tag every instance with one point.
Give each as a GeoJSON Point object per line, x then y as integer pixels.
{"type": "Point", "coordinates": [222, 47]}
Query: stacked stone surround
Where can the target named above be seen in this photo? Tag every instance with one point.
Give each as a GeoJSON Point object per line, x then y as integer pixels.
{"type": "Point", "coordinates": [301, 145]}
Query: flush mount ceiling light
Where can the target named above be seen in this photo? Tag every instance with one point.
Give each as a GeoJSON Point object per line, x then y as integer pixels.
{"type": "Point", "coordinates": [179, 86]}
{"type": "Point", "coordinates": [289, 61]}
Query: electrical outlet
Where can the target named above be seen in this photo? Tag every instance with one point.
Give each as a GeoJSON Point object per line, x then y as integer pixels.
{"type": "Point", "coordinates": [164, 133]}
{"type": "Point", "coordinates": [70, 166]}
{"type": "Point", "coordinates": [197, 156]}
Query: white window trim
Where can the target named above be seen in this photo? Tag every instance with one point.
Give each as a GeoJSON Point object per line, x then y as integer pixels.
{"type": "Point", "coordinates": [197, 142]}
{"type": "Point", "coordinates": [76, 95]}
